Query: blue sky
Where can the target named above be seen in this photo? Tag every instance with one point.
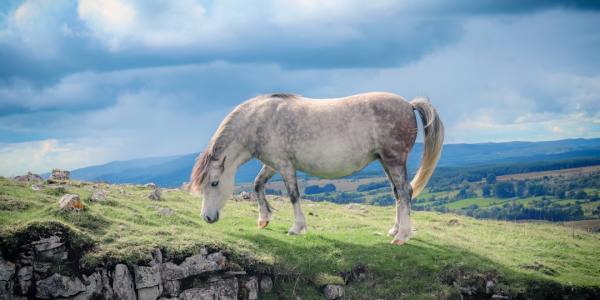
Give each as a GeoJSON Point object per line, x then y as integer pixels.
{"type": "Point", "coordinates": [87, 82]}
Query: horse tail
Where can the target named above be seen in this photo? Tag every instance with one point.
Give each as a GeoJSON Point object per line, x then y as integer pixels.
{"type": "Point", "coordinates": [434, 138]}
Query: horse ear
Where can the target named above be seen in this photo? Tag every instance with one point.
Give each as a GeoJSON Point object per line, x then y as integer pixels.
{"type": "Point", "coordinates": [223, 163]}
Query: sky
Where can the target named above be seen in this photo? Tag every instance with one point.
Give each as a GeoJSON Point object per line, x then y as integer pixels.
{"type": "Point", "coordinates": [87, 82]}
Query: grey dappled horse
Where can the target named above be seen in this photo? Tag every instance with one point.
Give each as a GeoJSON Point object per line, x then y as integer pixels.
{"type": "Point", "coordinates": [328, 138]}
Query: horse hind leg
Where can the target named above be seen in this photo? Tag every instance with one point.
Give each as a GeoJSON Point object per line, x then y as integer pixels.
{"type": "Point", "coordinates": [264, 209]}
{"type": "Point", "coordinates": [288, 172]}
{"type": "Point", "coordinates": [396, 172]}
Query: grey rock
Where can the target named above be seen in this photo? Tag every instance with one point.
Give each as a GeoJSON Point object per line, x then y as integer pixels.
{"type": "Point", "coordinates": [222, 289]}
{"type": "Point", "coordinates": [29, 177]}
{"type": "Point", "coordinates": [250, 289]}
{"type": "Point", "coordinates": [266, 284]}
{"type": "Point", "coordinates": [24, 277]}
{"type": "Point", "coordinates": [171, 271]}
{"type": "Point", "coordinates": [156, 257]}
{"type": "Point", "coordinates": [226, 289]}
{"type": "Point", "coordinates": [50, 249]}
{"type": "Point", "coordinates": [198, 264]}
{"type": "Point", "coordinates": [333, 291]}
{"type": "Point", "coordinates": [198, 294]}
{"type": "Point", "coordinates": [171, 288]}
{"type": "Point", "coordinates": [165, 211]}
{"type": "Point", "coordinates": [149, 293]}
{"type": "Point", "coordinates": [146, 277]}
{"type": "Point", "coordinates": [41, 269]}
{"type": "Point", "coordinates": [58, 286]}
{"type": "Point", "coordinates": [97, 286]}
{"type": "Point", "coordinates": [122, 283]}
{"type": "Point", "coordinates": [7, 270]}
{"type": "Point", "coordinates": [155, 194]}
{"type": "Point", "coordinates": [70, 202]}
{"type": "Point", "coordinates": [99, 195]}
{"type": "Point", "coordinates": [59, 175]}
{"type": "Point", "coordinates": [36, 187]}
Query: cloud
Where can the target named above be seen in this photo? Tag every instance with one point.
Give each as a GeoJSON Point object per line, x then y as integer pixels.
{"type": "Point", "coordinates": [80, 84]}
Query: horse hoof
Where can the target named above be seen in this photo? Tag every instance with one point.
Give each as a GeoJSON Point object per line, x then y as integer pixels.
{"type": "Point", "coordinates": [398, 242]}
{"type": "Point", "coordinates": [263, 224]}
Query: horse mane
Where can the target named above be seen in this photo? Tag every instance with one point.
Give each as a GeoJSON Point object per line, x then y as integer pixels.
{"type": "Point", "coordinates": [218, 143]}
{"type": "Point", "coordinates": [281, 95]}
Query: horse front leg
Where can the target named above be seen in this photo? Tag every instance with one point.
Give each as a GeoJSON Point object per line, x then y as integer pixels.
{"type": "Point", "coordinates": [264, 209]}
{"type": "Point", "coordinates": [288, 172]}
{"type": "Point", "coordinates": [396, 172]}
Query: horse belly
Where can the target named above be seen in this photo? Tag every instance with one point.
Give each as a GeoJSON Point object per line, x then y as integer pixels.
{"type": "Point", "coordinates": [333, 159]}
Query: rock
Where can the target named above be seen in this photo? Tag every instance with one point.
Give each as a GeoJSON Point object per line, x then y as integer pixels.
{"type": "Point", "coordinates": [7, 272]}
{"type": "Point", "coordinates": [36, 187]}
{"type": "Point", "coordinates": [171, 271]}
{"type": "Point", "coordinates": [50, 249]}
{"type": "Point", "coordinates": [165, 211]}
{"type": "Point", "coordinates": [245, 195]}
{"type": "Point", "coordinates": [151, 185]}
{"type": "Point", "coordinates": [59, 175]}
{"type": "Point", "coordinates": [146, 276]}
{"type": "Point", "coordinates": [70, 202]}
{"type": "Point", "coordinates": [96, 287]}
{"type": "Point", "coordinates": [199, 264]}
{"type": "Point", "coordinates": [171, 288]}
{"type": "Point", "coordinates": [250, 289]}
{"type": "Point", "coordinates": [489, 286]}
{"type": "Point", "coordinates": [197, 294]}
{"type": "Point", "coordinates": [24, 277]}
{"type": "Point", "coordinates": [122, 283]}
{"type": "Point", "coordinates": [266, 284]}
{"type": "Point", "coordinates": [156, 257]}
{"type": "Point", "coordinates": [29, 177]}
{"type": "Point", "coordinates": [222, 289]}
{"type": "Point", "coordinates": [99, 195]}
{"type": "Point", "coordinates": [149, 293]}
{"type": "Point", "coordinates": [58, 286]}
{"type": "Point", "coordinates": [226, 289]}
{"type": "Point", "coordinates": [333, 291]}
{"type": "Point", "coordinates": [155, 194]}
{"type": "Point", "coordinates": [148, 282]}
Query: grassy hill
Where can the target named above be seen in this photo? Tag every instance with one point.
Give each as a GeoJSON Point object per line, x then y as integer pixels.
{"type": "Point", "coordinates": [449, 255]}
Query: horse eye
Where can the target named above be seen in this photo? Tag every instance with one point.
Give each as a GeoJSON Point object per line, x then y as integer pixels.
{"type": "Point", "coordinates": [214, 183]}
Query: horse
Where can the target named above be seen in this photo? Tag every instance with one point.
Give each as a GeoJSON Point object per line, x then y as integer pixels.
{"type": "Point", "coordinates": [327, 138]}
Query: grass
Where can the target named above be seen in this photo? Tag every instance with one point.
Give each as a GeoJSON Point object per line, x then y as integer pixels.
{"type": "Point", "coordinates": [126, 226]}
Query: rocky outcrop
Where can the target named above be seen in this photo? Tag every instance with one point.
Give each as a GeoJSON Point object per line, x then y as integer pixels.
{"type": "Point", "coordinates": [70, 202]}
{"type": "Point", "coordinates": [333, 291]}
{"type": "Point", "coordinates": [29, 177]}
{"type": "Point", "coordinates": [155, 194]}
{"type": "Point", "coordinates": [122, 284]}
{"type": "Point", "coordinates": [99, 195]}
{"type": "Point", "coordinates": [7, 272]}
{"type": "Point", "coordinates": [37, 272]}
{"type": "Point", "coordinates": [59, 176]}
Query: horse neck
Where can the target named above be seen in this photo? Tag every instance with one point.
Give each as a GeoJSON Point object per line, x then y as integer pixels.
{"type": "Point", "coordinates": [236, 155]}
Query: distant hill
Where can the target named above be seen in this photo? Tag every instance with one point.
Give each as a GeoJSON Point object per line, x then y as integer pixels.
{"type": "Point", "coordinates": [174, 170]}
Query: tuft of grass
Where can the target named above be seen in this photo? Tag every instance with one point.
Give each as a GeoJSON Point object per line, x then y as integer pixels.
{"type": "Point", "coordinates": [523, 257]}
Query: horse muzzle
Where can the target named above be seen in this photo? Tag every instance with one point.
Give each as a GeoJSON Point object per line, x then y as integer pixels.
{"type": "Point", "coordinates": [211, 218]}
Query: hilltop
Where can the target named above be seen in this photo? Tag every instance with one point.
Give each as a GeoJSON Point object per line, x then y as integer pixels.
{"type": "Point", "coordinates": [449, 256]}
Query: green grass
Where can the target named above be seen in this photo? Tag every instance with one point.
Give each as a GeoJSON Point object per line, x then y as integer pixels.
{"type": "Point", "coordinates": [127, 226]}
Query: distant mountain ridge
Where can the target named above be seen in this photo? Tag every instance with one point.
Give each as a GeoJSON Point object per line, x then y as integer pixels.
{"type": "Point", "coordinates": [172, 171]}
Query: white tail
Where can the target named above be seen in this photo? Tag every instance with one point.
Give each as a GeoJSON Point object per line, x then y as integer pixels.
{"type": "Point", "coordinates": [434, 138]}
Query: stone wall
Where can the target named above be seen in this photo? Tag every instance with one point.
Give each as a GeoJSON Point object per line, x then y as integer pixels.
{"type": "Point", "coordinates": [38, 272]}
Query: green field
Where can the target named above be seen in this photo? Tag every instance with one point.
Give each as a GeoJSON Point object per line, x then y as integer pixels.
{"type": "Point", "coordinates": [446, 252]}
